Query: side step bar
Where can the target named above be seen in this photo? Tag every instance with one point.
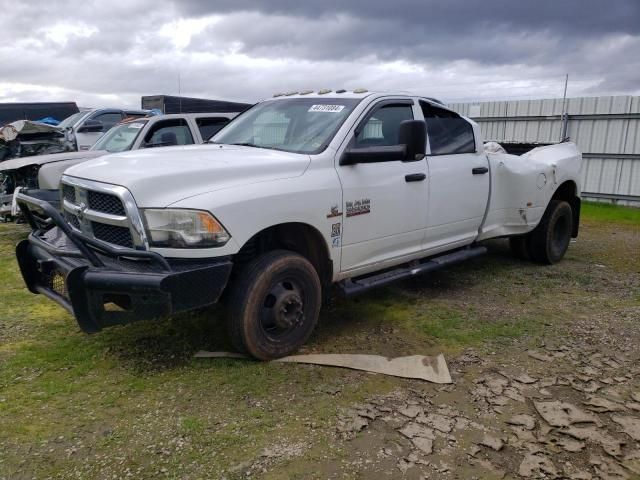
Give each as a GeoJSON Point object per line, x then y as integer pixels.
{"type": "Point", "coordinates": [360, 285]}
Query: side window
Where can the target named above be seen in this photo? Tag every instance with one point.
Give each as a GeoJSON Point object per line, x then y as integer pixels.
{"type": "Point", "coordinates": [108, 120]}
{"type": "Point", "coordinates": [448, 132]}
{"type": "Point", "coordinates": [209, 126]}
{"type": "Point", "coordinates": [383, 125]}
{"type": "Point", "coordinates": [168, 132]}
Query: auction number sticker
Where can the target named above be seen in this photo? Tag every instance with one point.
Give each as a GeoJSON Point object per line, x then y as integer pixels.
{"type": "Point", "coordinates": [136, 126]}
{"type": "Point", "coordinates": [326, 108]}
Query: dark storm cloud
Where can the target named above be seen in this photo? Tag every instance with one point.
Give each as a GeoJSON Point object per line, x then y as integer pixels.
{"type": "Point", "coordinates": [573, 17]}
{"type": "Point", "coordinates": [105, 52]}
{"type": "Point", "coordinates": [554, 34]}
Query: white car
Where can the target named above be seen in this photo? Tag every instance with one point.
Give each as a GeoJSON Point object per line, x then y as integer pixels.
{"type": "Point", "coordinates": [297, 196]}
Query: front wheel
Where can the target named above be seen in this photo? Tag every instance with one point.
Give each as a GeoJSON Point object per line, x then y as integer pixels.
{"type": "Point", "coordinates": [549, 241]}
{"type": "Point", "coordinates": [274, 305]}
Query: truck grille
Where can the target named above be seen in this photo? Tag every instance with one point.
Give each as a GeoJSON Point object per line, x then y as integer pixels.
{"type": "Point", "coordinates": [107, 203]}
{"type": "Point", "coordinates": [112, 234]}
{"type": "Point", "coordinates": [98, 210]}
{"type": "Point", "coordinates": [69, 193]}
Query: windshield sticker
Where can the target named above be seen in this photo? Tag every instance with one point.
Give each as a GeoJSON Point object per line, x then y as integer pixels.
{"type": "Point", "coordinates": [326, 108]}
{"type": "Point", "coordinates": [136, 126]}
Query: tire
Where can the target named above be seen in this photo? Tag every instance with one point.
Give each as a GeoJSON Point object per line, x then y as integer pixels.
{"type": "Point", "coordinates": [549, 241]}
{"type": "Point", "coordinates": [519, 247]}
{"type": "Point", "coordinates": [274, 305]}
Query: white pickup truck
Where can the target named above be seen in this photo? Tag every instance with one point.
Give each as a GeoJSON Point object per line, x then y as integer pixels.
{"type": "Point", "coordinates": [298, 196]}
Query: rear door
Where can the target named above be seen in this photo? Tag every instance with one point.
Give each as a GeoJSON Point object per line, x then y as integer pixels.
{"type": "Point", "coordinates": [384, 202]}
{"type": "Point", "coordinates": [458, 179]}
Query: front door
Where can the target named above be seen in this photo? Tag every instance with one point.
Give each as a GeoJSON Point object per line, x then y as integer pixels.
{"type": "Point", "coordinates": [384, 202]}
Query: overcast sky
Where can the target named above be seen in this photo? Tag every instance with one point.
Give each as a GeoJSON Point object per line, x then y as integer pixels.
{"type": "Point", "coordinates": [109, 53]}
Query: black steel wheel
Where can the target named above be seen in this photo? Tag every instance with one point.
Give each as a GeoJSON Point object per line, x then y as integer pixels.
{"type": "Point", "coordinates": [274, 305]}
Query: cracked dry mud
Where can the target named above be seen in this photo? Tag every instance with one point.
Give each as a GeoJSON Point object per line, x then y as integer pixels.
{"type": "Point", "coordinates": [565, 405]}
{"type": "Point", "coordinates": [535, 423]}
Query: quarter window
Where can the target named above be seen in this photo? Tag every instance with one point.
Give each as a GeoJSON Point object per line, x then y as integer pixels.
{"type": "Point", "coordinates": [448, 132]}
{"type": "Point", "coordinates": [383, 126]}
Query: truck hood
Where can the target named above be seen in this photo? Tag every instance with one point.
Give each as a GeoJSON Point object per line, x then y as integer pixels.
{"type": "Point", "coordinates": [158, 177]}
{"type": "Point", "coordinates": [53, 157]}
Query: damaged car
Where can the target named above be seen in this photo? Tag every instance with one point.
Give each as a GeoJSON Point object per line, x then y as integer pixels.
{"type": "Point", "coordinates": [78, 132]}
{"type": "Point", "coordinates": [25, 138]}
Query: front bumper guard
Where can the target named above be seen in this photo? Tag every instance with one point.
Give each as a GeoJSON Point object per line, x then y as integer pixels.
{"type": "Point", "coordinates": [103, 285]}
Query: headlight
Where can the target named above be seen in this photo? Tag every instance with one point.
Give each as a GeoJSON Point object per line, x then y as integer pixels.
{"type": "Point", "coordinates": [177, 228]}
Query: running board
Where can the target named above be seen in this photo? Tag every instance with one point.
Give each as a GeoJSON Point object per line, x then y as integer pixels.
{"type": "Point", "coordinates": [350, 287]}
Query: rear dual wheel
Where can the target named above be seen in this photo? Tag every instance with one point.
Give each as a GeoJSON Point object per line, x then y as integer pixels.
{"type": "Point", "coordinates": [274, 305]}
{"type": "Point", "coordinates": [548, 242]}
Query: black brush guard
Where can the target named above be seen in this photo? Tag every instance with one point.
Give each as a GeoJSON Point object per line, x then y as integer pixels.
{"type": "Point", "coordinates": [102, 285]}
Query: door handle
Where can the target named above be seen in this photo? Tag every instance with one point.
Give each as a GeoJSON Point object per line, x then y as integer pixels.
{"type": "Point", "coordinates": [479, 170]}
{"type": "Point", "coordinates": [415, 177]}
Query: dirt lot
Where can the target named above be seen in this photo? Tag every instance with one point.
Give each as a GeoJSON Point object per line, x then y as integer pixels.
{"type": "Point", "coordinates": [545, 363]}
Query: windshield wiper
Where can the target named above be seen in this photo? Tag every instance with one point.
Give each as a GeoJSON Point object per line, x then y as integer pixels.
{"type": "Point", "coordinates": [246, 144]}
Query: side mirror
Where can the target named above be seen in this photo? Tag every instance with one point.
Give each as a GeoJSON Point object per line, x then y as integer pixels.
{"type": "Point", "coordinates": [413, 134]}
{"type": "Point", "coordinates": [375, 154]}
{"type": "Point", "coordinates": [412, 139]}
{"type": "Point", "coordinates": [91, 126]}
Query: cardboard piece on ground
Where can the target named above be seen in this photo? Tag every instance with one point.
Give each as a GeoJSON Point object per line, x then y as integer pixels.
{"type": "Point", "coordinates": [431, 369]}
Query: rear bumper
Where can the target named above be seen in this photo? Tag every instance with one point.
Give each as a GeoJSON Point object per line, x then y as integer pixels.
{"type": "Point", "coordinates": [102, 285]}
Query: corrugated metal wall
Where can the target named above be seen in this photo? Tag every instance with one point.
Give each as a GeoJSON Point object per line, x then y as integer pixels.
{"type": "Point", "coordinates": [606, 129]}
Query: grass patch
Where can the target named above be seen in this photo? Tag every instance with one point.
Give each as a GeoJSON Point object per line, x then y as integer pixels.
{"type": "Point", "coordinates": [609, 213]}
{"type": "Point", "coordinates": [457, 328]}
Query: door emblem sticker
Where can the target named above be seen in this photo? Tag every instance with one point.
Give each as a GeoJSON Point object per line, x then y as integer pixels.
{"type": "Point", "coordinates": [359, 207]}
{"type": "Point", "coordinates": [335, 212]}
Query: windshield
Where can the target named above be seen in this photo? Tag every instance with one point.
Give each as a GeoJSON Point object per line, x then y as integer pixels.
{"type": "Point", "coordinates": [120, 137]}
{"type": "Point", "coordinates": [300, 125]}
{"type": "Point", "coordinates": [71, 120]}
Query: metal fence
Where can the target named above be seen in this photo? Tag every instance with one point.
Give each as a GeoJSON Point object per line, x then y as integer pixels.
{"type": "Point", "coordinates": [606, 129]}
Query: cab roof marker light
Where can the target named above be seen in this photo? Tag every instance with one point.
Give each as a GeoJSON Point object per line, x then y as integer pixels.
{"type": "Point", "coordinates": [342, 90]}
{"type": "Point", "coordinates": [288, 94]}
{"type": "Point", "coordinates": [279, 94]}
{"type": "Point", "coordinates": [360, 90]}
{"type": "Point", "coordinates": [306, 92]}
{"type": "Point", "coordinates": [324, 91]}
